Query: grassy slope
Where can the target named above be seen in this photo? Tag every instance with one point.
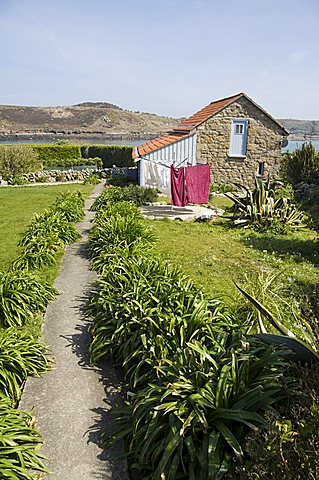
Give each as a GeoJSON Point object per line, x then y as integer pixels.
{"type": "Point", "coordinates": [17, 205]}
{"type": "Point", "coordinates": [213, 254]}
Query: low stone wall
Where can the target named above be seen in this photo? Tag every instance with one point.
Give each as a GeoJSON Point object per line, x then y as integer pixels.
{"type": "Point", "coordinates": [53, 176]}
{"type": "Point", "coordinates": [71, 175]}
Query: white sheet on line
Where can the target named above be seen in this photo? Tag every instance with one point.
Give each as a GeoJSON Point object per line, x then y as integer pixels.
{"type": "Point", "coordinates": [157, 176]}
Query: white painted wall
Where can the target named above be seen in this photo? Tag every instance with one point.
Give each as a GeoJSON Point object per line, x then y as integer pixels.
{"type": "Point", "coordinates": [154, 167]}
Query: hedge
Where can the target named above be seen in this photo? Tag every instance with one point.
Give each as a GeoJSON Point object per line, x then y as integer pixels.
{"type": "Point", "coordinates": [57, 155]}
{"type": "Point", "coordinates": [118, 155]}
{"type": "Point", "coordinates": [71, 155]}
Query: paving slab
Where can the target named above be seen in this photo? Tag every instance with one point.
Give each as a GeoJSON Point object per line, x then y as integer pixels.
{"type": "Point", "coordinates": [190, 212]}
{"type": "Point", "coordinates": [73, 400]}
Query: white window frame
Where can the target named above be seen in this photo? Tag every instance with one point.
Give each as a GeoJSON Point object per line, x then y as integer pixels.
{"type": "Point", "coordinates": [243, 124]}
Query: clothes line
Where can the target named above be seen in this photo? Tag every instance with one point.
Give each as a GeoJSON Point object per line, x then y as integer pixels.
{"type": "Point", "coordinates": [164, 164]}
{"type": "Point", "coordinates": [185, 184]}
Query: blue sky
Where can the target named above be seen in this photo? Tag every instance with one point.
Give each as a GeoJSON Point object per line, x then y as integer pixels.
{"type": "Point", "coordinates": [169, 57]}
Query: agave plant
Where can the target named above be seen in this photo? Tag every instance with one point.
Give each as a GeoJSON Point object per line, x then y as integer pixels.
{"type": "Point", "coordinates": [20, 355]}
{"type": "Point", "coordinates": [260, 208]}
{"type": "Point", "coordinates": [20, 458]}
{"type": "Point", "coordinates": [22, 295]}
{"type": "Point", "coordinates": [305, 350]}
{"type": "Point", "coordinates": [189, 423]}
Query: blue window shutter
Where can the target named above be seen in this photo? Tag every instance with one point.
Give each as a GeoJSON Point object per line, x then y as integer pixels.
{"type": "Point", "coordinates": [238, 138]}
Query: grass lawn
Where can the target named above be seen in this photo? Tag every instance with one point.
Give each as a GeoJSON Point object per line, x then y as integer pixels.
{"type": "Point", "coordinates": [214, 254]}
{"type": "Point", "coordinates": [17, 205]}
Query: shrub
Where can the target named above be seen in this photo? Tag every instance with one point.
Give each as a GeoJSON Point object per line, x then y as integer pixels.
{"type": "Point", "coordinates": [120, 181]}
{"type": "Point", "coordinates": [20, 355]}
{"type": "Point", "coordinates": [70, 205]}
{"type": "Point", "coordinates": [50, 231]}
{"type": "Point", "coordinates": [192, 420]}
{"type": "Point", "coordinates": [261, 210]}
{"type": "Point", "coordinates": [132, 193]}
{"type": "Point", "coordinates": [283, 190]}
{"type": "Point", "coordinates": [18, 159]}
{"type": "Point", "coordinates": [22, 296]}
{"type": "Point", "coordinates": [108, 196]}
{"type": "Point", "coordinates": [123, 208]}
{"type": "Point", "coordinates": [20, 442]}
{"type": "Point", "coordinates": [50, 223]}
{"type": "Point", "coordinates": [41, 179]}
{"type": "Point", "coordinates": [222, 188]}
{"type": "Point", "coordinates": [288, 448]}
{"type": "Point", "coordinates": [198, 384]}
{"type": "Point", "coordinates": [92, 180]}
{"type": "Point", "coordinates": [98, 162]}
{"type": "Point", "coordinates": [17, 180]}
{"type": "Point", "coordinates": [38, 252]}
{"type": "Point", "coordinates": [113, 229]}
{"type": "Point", "coordinates": [145, 310]}
{"type": "Point", "coordinates": [301, 165]}
{"type": "Point", "coordinates": [118, 155]}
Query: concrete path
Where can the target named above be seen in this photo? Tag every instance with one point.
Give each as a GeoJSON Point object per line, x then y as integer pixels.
{"type": "Point", "coordinates": [72, 401]}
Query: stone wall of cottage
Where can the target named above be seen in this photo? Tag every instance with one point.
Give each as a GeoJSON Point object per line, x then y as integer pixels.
{"type": "Point", "coordinates": [263, 145]}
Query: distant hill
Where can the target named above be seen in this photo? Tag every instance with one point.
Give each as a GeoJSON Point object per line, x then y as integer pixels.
{"type": "Point", "coordinates": [105, 119]}
{"type": "Point", "coordinates": [301, 128]}
{"type": "Point", "coordinates": [85, 118]}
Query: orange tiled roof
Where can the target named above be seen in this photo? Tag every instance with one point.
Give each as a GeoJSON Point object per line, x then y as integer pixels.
{"type": "Point", "coordinates": [209, 111]}
{"type": "Point", "coordinates": [158, 143]}
{"type": "Point", "coordinates": [215, 107]}
{"type": "Point", "coordinates": [188, 126]}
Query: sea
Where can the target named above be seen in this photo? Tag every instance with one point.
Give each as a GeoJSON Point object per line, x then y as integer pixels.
{"type": "Point", "coordinates": [292, 144]}
{"type": "Point", "coordinates": [81, 141]}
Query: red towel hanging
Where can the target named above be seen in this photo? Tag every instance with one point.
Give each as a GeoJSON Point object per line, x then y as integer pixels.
{"type": "Point", "coordinates": [197, 179]}
{"type": "Point", "coordinates": [178, 187]}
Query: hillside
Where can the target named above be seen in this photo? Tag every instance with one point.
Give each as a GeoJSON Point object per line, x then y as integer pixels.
{"type": "Point", "coordinates": [82, 119]}
{"type": "Point", "coordinates": [301, 128]}
{"type": "Point", "coordinates": [102, 119]}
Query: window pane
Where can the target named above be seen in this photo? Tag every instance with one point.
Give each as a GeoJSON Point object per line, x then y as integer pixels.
{"type": "Point", "coordinates": [261, 169]}
{"type": "Point", "coordinates": [239, 129]}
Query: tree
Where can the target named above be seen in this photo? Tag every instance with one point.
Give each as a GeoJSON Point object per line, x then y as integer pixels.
{"type": "Point", "coordinates": [18, 159]}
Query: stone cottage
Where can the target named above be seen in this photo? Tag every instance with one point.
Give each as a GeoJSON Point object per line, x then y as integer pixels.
{"type": "Point", "coordinates": [237, 137]}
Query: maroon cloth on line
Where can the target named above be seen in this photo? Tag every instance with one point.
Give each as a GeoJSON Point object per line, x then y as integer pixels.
{"type": "Point", "coordinates": [178, 190]}
{"type": "Point", "coordinates": [197, 183]}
